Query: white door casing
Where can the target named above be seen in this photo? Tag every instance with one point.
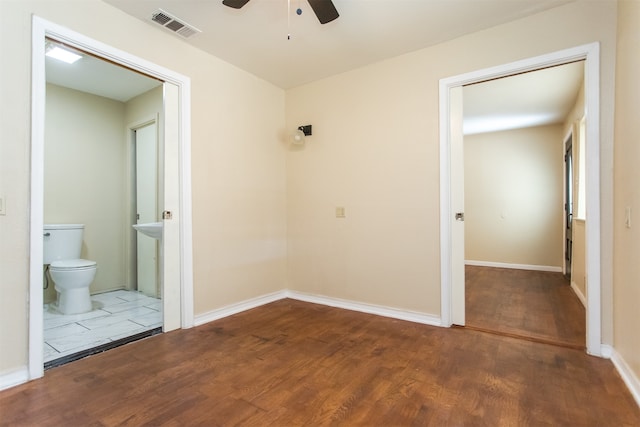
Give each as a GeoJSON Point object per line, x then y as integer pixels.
{"type": "Point", "coordinates": [452, 241]}
{"type": "Point", "coordinates": [180, 308]}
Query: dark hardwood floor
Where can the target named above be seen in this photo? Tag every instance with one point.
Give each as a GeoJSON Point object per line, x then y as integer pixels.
{"type": "Point", "coordinates": [536, 305]}
{"type": "Point", "coordinates": [291, 363]}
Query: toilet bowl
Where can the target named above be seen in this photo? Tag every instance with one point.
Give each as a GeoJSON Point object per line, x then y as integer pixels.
{"type": "Point", "coordinates": [72, 279]}
{"type": "Point", "coordinates": [70, 274]}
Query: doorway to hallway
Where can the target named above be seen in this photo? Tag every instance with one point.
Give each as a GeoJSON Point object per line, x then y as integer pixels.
{"type": "Point", "coordinates": [452, 249]}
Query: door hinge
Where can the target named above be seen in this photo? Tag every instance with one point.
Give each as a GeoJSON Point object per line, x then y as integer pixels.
{"type": "Point", "coordinates": [166, 215]}
{"type": "Point", "coordinates": [459, 216]}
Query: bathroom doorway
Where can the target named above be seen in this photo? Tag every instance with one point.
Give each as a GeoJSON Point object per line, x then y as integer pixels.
{"type": "Point", "coordinates": [175, 273]}
{"type": "Point", "coordinates": [85, 165]}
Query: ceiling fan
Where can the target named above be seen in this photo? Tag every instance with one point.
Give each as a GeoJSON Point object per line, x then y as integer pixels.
{"type": "Point", "coordinates": [324, 9]}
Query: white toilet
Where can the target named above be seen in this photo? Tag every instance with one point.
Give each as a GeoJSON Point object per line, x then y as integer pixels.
{"type": "Point", "coordinates": [70, 274]}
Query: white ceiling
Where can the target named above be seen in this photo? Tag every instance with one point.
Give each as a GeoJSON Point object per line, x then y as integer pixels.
{"type": "Point", "coordinates": [531, 99]}
{"type": "Point", "coordinates": [254, 38]}
{"type": "Point", "coordinates": [98, 77]}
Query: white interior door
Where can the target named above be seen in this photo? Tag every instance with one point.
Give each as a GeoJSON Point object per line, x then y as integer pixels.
{"type": "Point", "coordinates": [147, 207]}
{"type": "Point", "coordinates": [170, 175]}
{"type": "Point", "coordinates": [457, 204]}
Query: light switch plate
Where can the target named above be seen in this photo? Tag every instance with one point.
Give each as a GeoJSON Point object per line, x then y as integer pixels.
{"type": "Point", "coordinates": [340, 213]}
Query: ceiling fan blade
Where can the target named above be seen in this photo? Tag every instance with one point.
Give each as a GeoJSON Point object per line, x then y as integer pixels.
{"type": "Point", "coordinates": [324, 10]}
{"type": "Point", "coordinates": [236, 4]}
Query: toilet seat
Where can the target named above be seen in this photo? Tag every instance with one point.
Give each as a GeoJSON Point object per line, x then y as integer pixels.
{"type": "Point", "coordinates": [72, 265]}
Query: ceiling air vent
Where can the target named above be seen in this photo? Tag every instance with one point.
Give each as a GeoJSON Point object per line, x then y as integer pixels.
{"type": "Point", "coordinates": [174, 24]}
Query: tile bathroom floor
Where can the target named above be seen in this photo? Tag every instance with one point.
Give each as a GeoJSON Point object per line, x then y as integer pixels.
{"type": "Point", "coordinates": [115, 315]}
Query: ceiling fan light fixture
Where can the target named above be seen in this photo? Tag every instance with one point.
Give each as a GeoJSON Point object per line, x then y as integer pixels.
{"type": "Point", "coordinates": [324, 9]}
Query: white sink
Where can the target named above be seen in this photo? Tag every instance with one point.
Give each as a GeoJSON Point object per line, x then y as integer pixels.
{"type": "Point", "coordinates": [151, 229]}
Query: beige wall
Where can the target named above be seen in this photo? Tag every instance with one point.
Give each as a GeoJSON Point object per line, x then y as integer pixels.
{"type": "Point", "coordinates": [627, 179]}
{"type": "Point", "coordinates": [513, 196]}
{"type": "Point", "coordinates": [143, 107]}
{"type": "Point", "coordinates": [375, 151]}
{"type": "Point", "coordinates": [576, 113]}
{"type": "Point", "coordinates": [578, 258]}
{"type": "Point", "coordinates": [238, 166]}
{"type": "Point", "coordinates": [85, 177]}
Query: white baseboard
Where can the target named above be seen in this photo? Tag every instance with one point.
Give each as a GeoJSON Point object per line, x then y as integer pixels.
{"type": "Point", "coordinates": [628, 376]}
{"type": "Point", "coordinates": [229, 310]}
{"type": "Point", "coordinates": [579, 293]}
{"type": "Point", "coordinates": [606, 351]}
{"type": "Point", "coordinates": [395, 313]}
{"type": "Point", "coordinates": [514, 266]}
{"type": "Point", "coordinates": [14, 378]}
{"type": "Point", "coordinates": [379, 310]}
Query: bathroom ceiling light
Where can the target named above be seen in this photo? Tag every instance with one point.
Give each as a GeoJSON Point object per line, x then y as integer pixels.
{"type": "Point", "coordinates": [62, 54]}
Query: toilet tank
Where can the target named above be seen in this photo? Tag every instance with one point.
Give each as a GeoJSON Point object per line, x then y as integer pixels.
{"type": "Point", "coordinates": [62, 241]}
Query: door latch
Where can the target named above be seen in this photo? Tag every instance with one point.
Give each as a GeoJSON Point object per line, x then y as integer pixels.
{"type": "Point", "coordinates": [166, 215]}
{"type": "Point", "coordinates": [459, 216]}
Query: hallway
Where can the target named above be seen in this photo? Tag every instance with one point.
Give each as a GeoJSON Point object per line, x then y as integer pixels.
{"type": "Point", "coordinates": [534, 305]}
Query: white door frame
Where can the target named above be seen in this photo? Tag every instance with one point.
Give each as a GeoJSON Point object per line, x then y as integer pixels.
{"type": "Point", "coordinates": [42, 28]}
{"type": "Point", "coordinates": [450, 308]}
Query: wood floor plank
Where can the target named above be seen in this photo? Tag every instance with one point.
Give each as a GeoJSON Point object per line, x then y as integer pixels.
{"type": "Point", "coordinates": [292, 363]}
{"type": "Point", "coordinates": [538, 305]}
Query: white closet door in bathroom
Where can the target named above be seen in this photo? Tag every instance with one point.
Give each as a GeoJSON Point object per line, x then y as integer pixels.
{"type": "Point", "coordinates": [147, 206]}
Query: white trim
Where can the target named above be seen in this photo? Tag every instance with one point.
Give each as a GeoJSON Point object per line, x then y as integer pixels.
{"type": "Point", "coordinates": [239, 307]}
{"type": "Point", "coordinates": [186, 216]}
{"type": "Point", "coordinates": [606, 351]}
{"type": "Point", "coordinates": [36, 205]}
{"type": "Point", "coordinates": [628, 376]}
{"type": "Point", "coordinates": [533, 267]}
{"type": "Point", "coordinates": [379, 310]}
{"type": "Point", "coordinates": [42, 28]}
{"type": "Point", "coordinates": [592, 229]}
{"type": "Point", "coordinates": [14, 378]}
{"type": "Point", "coordinates": [590, 52]}
{"type": "Point", "coordinates": [446, 210]}
{"type": "Point", "coordinates": [579, 294]}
